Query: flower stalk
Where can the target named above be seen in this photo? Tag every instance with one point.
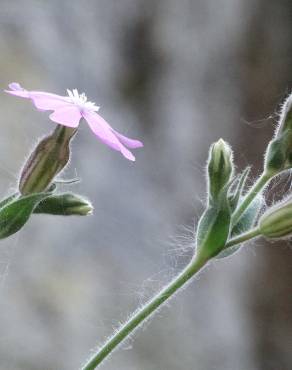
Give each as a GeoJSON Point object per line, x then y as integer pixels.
{"type": "Point", "coordinates": [145, 312]}
{"type": "Point", "coordinates": [253, 233]}
{"type": "Point", "coordinates": [142, 314]}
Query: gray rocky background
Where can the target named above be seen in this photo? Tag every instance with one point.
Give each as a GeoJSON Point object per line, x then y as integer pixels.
{"type": "Point", "coordinates": [179, 75]}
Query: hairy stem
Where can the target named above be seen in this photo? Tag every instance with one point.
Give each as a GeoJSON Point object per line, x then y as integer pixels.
{"type": "Point", "coordinates": [150, 307]}
{"type": "Point", "coordinates": [243, 237]}
{"type": "Point", "coordinates": [249, 197]}
{"type": "Point", "coordinates": [141, 314]}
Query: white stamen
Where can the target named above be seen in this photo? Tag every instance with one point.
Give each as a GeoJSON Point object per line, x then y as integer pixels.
{"type": "Point", "coordinates": [81, 100]}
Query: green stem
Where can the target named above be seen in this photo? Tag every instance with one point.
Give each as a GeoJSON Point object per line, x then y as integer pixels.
{"type": "Point", "coordinates": [249, 197]}
{"type": "Point", "coordinates": [141, 314]}
{"type": "Point", "coordinates": [150, 307]}
{"type": "Point", "coordinates": [243, 237]}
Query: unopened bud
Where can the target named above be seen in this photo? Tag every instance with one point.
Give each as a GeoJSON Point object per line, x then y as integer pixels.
{"type": "Point", "coordinates": [277, 221]}
{"type": "Point", "coordinates": [67, 204]}
{"type": "Point", "coordinates": [220, 167]}
{"type": "Point", "coordinates": [49, 157]}
{"type": "Point", "coordinates": [279, 152]}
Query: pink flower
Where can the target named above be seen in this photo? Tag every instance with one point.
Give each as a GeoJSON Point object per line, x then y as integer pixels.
{"type": "Point", "coordinates": [68, 110]}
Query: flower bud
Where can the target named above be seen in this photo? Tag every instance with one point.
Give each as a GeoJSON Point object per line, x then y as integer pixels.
{"type": "Point", "coordinates": [277, 221]}
{"type": "Point", "coordinates": [49, 157]}
{"type": "Point", "coordinates": [66, 204]}
{"type": "Point", "coordinates": [220, 168]}
{"type": "Point", "coordinates": [279, 152]}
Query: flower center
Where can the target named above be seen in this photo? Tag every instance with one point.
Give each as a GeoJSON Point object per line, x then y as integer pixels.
{"type": "Point", "coordinates": [81, 100]}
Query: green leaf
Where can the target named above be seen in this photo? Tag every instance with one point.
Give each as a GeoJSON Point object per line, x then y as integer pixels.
{"type": "Point", "coordinates": [8, 200]}
{"type": "Point", "coordinates": [16, 213]}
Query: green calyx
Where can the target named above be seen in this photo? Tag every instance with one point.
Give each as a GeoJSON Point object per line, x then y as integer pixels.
{"type": "Point", "coordinates": [67, 204]}
{"type": "Point", "coordinates": [213, 229]}
{"type": "Point", "coordinates": [277, 221]}
{"type": "Point", "coordinates": [46, 161]}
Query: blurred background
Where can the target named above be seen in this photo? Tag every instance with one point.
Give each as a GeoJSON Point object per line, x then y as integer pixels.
{"type": "Point", "coordinates": [178, 75]}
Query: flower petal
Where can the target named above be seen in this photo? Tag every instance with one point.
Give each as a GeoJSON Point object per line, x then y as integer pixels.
{"type": "Point", "coordinates": [47, 101]}
{"type": "Point", "coordinates": [130, 143]}
{"type": "Point", "coordinates": [42, 100]}
{"type": "Point", "coordinates": [68, 110]}
{"type": "Point", "coordinates": [68, 115]}
{"type": "Point", "coordinates": [15, 86]}
{"type": "Point", "coordinates": [17, 90]}
{"type": "Point", "coordinates": [104, 132]}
